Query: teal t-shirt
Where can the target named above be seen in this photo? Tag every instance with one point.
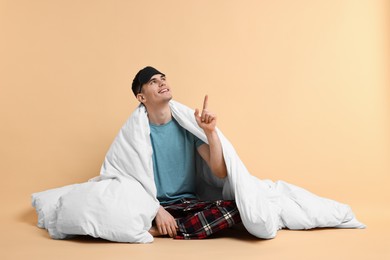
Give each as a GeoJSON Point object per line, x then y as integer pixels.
{"type": "Point", "coordinates": [174, 151]}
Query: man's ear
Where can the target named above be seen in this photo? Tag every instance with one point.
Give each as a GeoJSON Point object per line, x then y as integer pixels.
{"type": "Point", "coordinates": [140, 97]}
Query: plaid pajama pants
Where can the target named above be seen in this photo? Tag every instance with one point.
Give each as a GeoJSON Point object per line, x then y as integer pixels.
{"type": "Point", "coordinates": [200, 219]}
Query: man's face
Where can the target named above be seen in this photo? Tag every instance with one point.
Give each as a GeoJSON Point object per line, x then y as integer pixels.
{"type": "Point", "coordinates": [155, 91]}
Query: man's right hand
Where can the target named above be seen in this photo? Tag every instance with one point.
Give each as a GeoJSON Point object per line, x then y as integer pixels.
{"type": "Point", "coordinates": [166, 223]}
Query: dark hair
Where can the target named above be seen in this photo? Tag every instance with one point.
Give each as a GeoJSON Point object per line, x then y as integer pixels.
{"type": "Point", "coordinates": [142, 77]}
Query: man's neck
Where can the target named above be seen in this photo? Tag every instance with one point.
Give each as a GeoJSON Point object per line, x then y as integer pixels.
{"type": "Point", "coordinates": [159, 115]}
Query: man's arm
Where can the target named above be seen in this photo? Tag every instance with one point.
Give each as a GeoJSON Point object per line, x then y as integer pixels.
{"type": "Point", "coordinates": [212, 153]}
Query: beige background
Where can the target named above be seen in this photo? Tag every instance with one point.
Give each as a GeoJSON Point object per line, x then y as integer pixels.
{"type": "Point", "coordinates": [301, 88]}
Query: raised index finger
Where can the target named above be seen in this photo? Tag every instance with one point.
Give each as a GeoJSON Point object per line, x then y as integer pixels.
{"type": "Point", "coordinates": [205, 102]}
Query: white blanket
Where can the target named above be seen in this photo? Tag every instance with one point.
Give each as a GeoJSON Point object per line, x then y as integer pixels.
{"type": "Point", "coordinates": [120, 204]}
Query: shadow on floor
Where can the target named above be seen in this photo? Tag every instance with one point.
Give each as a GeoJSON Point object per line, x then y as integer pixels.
{"type": "Point", "coordinates": [238, 232]}
{"type": "Point", "coordinates": [28, 216]}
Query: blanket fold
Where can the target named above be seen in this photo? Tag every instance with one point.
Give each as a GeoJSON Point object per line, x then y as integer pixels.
{"type": "Point", "coordinates": [120, 204]}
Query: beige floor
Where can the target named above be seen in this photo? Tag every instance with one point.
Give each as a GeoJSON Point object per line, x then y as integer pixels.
{"type": "Point", "coordinates": [21, 239]}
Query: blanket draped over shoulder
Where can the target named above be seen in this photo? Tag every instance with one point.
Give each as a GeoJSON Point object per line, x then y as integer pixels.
{"type": "Point", "coordinates": [120, 203]}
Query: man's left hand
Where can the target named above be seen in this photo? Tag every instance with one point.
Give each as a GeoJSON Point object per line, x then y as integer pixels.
{"type": "Point", "coordinates": [206, 120]}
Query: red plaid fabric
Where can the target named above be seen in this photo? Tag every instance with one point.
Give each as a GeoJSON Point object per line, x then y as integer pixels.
{"type": "Point", "coordinates": [200, 219]}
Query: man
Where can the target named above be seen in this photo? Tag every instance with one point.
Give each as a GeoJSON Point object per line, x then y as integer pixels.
{"type": "Point", "coordinates": [152, 158]}
{"type": "Point", "coordinates": [174, 151]}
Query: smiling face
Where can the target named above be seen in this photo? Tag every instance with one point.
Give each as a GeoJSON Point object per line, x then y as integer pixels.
{"type": "Point", "coordinates": [155, 92]}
